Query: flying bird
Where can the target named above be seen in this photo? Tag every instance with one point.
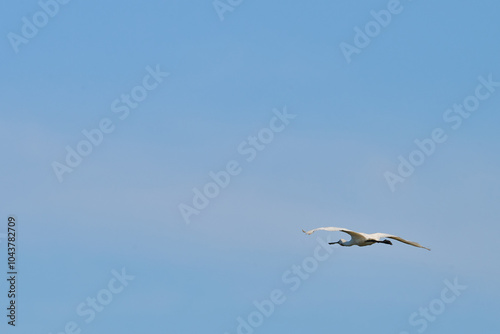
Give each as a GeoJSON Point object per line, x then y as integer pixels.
{"type": "Point", "coordinates": [364, 239]}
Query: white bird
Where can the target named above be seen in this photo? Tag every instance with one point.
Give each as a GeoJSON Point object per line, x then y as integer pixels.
{"type": "Point", "coordinates": [363, 239]}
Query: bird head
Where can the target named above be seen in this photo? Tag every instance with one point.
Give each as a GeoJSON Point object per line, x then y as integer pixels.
{"type": "Point", "coordinates": [340, 242]}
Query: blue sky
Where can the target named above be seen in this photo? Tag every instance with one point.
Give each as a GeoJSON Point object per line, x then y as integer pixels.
{"type": "Point", "coordinates": [116, 214]}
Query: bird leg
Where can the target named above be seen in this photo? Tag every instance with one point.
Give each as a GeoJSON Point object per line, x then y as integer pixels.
{"type": "Point", "coordinates": [380, 242]}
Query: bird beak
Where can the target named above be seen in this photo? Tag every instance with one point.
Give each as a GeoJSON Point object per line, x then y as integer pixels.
{"type": "Point", "coordinates": [333, 243]}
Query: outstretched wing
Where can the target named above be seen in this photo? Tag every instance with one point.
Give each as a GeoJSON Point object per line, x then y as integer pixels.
{"type": "Point", "coordinates": [378, 236]}
{"type": "Point", "coordinates": [354, 235]}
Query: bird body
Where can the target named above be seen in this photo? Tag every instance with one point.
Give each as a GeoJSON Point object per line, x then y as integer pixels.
{"type": "Point", "coordinates": [364, 239]}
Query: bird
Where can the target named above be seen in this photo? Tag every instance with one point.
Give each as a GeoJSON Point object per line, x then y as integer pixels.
{"type": "Point", "coordinates": [363, 239]}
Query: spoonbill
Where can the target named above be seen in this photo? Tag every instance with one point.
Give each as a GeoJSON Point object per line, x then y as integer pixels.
{"type": "Point", "coordinates": [363, 239]}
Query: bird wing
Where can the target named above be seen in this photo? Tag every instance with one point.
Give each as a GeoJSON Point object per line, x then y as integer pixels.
{"type": "Point", "coordinates": [378, 236]}
{"type": "Point", "coordinates": [354, 235]}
